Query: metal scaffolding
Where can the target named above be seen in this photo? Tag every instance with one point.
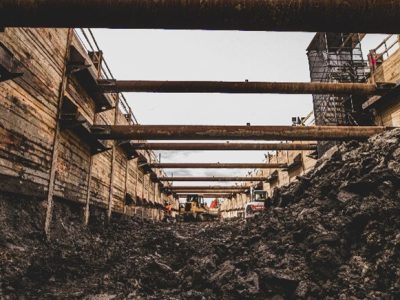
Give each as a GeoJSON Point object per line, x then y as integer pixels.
{"type": "Point", "coordinates": [336, 58]}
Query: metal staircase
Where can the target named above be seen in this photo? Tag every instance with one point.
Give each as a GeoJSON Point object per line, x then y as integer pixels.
{"type": "Point", "coordinates": [336, 57]}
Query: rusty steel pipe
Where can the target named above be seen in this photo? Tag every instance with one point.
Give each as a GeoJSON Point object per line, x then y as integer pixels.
{"type": "Point", "coordinates": [257, 15]}
{"type": "Point", "coordinates": [211, 187]}
{"type": "Point", "coordinates": [219, 195]}
{"type": "Point", "coordinates": [220, 179]}
{"type": "Point", "coordinates": [204, 132]}
{"type": "Point", "coordinates": [208, 194]}
{"type": "Point", "coordinates": [216, 166]}
{"type": "Point", "coordinates": [225, 146]}
{"type": "Point", "coordinates": [213, 191]}
{"type": "Point", "coordinates": [207, 190]}
{"type": "Point", "coordinates": [238, 87]}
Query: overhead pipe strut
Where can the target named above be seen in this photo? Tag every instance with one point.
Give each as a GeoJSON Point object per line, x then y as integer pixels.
{"type": "Point", "coordinates": [210, 195]}
{"type": "Point", "coordinates": [117, 86]}
{"type": "Point", "coordinates": [203, 191]}
{"type": "Point", "coordinates": [216, 166]}
{"type": "Point", "coordinates": [208, 188]}
{"type": "Point", "coordinates": [204, 132]}
{"type": "Point", "coordinates": [214, 178]}
{"type": "Point", "coordinates": [224, 146]}
{"type": "Point", "coordinates": [256, 15]}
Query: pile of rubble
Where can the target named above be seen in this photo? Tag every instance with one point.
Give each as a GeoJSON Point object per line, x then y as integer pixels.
{"type": "Point", "coordinates": [333, 234]}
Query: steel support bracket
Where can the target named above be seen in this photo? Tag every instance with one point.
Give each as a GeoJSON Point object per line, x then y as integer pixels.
{"type": "Point", "coordinates": [76, 68]}
{"type": "Point", "coordinates": [389, 92]}
{"type": "Point", "coordinates": [386, 86]}
{"type": "Point", "coordinates": [273, 177]}
{"type": "Point", "coordinates": [106, 84]}
{"type": "Point", "coordinates": [313, 155]}
{"type": "Point", "coordinates": [99, 129]}
{"type": "Point", "coordinates": [135, 156]}
{"type": "Point", "coordinates": [97, 59]}
{"type": "Point", "coordinates": [9, 65]}
{"type": "Point", "coordinates": [297, 162]}
{"type": "Point", "coordinates": [76, 61]}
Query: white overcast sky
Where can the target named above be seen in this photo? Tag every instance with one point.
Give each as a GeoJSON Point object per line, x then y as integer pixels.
{"type": "Point", "coordinates": [219, 56]}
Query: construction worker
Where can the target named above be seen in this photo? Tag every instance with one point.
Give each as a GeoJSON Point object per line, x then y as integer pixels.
{"type": "Point", "coordinates": [168, 208]}
{"type": "Point", "coordinates": [214, 203]}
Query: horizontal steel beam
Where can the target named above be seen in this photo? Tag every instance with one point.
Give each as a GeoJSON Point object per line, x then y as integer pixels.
{"type": "Point", "coordinates": [225, 146]}
{"type": "Point", "coordinates": [209, 188]}
{"type": "Point", "coordinates": [108, 86]}
{"type": "Point", "coordinates": [203, 191]}
{"type": "Point", "coordinates": [191, 191]}
{"type": "Point", "coordinates": [216, 166]}
{"type": "Point", "coordinates": [209, 195]}
{"type": "Point", "coordinates": [214, 178]}
{"type": "Point", "coordinates": [199, 132]}
{"type": "Point", "coordinates": [271, 15]}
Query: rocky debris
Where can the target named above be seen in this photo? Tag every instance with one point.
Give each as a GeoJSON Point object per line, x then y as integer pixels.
{"type": "Point", "coordinates": [334, 234]}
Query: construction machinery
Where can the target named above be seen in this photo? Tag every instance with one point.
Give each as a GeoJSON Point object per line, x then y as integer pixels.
{"type": "Point", "coordinates": [196, 209]}
{"type": "Point", "coordinates": [258, 195]}
{"type": "Point", "coordinates": [257, 204]}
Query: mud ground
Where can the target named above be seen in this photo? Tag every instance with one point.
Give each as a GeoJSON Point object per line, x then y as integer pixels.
{"type": "Point", "coordinates": [334, 234]}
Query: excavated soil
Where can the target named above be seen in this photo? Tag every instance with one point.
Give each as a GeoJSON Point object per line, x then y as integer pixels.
{"type": "Point", "coordinates": [334, 234]}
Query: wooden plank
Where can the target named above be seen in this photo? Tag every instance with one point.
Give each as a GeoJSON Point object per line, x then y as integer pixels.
{"type": "Point", "coordinates": [132, 174]}
{"type": "Point", "coordinates": [389, 114]}
{"type": "Point", "coordinates": [28, 106]}
{"type": "Point", "coordinates": [126, 183]}
{"type": "Point", "coordinates": [56, 142]}
{"type": "Point", "coordinates": [17, 103]}
{"type": "Point", "coordinates": [99, 192]}
{"type": "Point", "coordinates": [28, 117]}
{"type": "Point", "coordinates": [40, 78]}
{"type": "Point", "coordinates": [88, 192]}
{"type": "Point", "coordinates": [113, 162]}
{"type": "Point", "coordinates": [72, 167]}
{"type": "Point", "coordinates": [81, 98]}
{"type": "Point", "coordinates": [24, 187]}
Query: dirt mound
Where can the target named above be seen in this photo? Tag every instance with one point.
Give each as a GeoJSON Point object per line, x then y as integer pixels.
{"type": "Point", "coordinates": [333, 234]}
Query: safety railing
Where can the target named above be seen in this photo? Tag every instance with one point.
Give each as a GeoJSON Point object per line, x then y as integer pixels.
{"type": "Point", "coordinates": [389, 45]}
{"type": "Point", "coordinates": [383, 51]}
{"type": "Point", "coordinates": [89, 42]}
